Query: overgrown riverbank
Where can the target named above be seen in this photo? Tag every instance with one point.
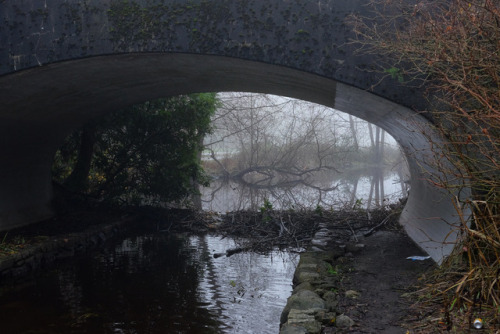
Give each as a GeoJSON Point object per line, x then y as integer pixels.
{"type": "Point", "coordinates": [379, 271]}
{"type": "Point", "coordinates": [259, 231]}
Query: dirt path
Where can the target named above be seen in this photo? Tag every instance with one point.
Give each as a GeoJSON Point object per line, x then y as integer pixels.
{"type": "Point", "coordinates": [381, 273]}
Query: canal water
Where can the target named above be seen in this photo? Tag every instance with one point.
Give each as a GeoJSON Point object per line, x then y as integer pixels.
{"type": "Point", "coordinates": [366, 188]}
{"type": "Point", "coordinates": [154, 283]}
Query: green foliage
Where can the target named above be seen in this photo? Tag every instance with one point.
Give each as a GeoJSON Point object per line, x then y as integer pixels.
{"type": "Point", "coordinates": [319, 210]}
{"type": "Point", "coordinates": [395, 73]}
{"type": "Point", "coordinates": [3, 243]}
{"type": "Point", "coordinates": [264, 210]}
{"type": "Point", "coordinates": [66, 157]}
{"type": "Point", "coordinates": [267, 206]}
{"type": "Point", "coordinates": [331, 270]}
{"type": "Point", "coordinates": [358, 205]}
{"type": "Point", "coordinates": [149, 151]}
{"type": "Point", "coordinates": [11, 246]}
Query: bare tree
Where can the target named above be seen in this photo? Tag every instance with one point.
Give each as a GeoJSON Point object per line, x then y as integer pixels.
{"type": "Point", "coordinates": [277, 140]}
{"type": "Point", "coordinates": [354, 132]}
{"type": "Point", "coordinates": [267, 141]}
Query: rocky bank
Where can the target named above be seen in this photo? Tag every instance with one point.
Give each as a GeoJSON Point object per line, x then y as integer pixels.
{"type": "Point", "coordinates": [353, 285]}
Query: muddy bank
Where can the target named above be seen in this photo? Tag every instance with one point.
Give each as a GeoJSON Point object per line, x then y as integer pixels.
{"type": "Point", "coordinates": [79, 229]}
{"type": "Point", "coordinates": [39, 251]}
{"type": "Point", "coordinates": [354, 285]}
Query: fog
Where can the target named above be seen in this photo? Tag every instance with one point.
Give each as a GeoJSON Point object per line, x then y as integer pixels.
{"type": "Point", "coordinates": [298, 154]}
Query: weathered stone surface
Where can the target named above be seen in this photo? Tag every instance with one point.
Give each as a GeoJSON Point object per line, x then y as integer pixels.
{"type": "Point", "coordinates": [343, 321]}
{"type": "Point", "coordinates": [354, 248]}
{"type": "Point", "coordinates": [352, 294]}
{"type": "Point", "coordinates": [331, 300]}
{"type": "Point", "coordinates": [309, 266]}
{"type": "Point", "coordinates": [52, 249]}
{"type": "Point", "coordinates": [326, 318]}
{"type": "Point", "coordinates": [307, 269]}
{"type": "Point", "coordinates": [323, 233]}
{"type": "Point", "coordinates": [318, 256]}
{"type": "Point", "coordinates": [305, 276]}
{"type": "Point", "coordinates": [315, 312]}
{"type": "Point", "coordinates": [299, 49]}
{"type": "Point", "coordinates": [302, 300]}
{"type": "Point", "coordinates": [320, 242]}
{"type": "Point", "coordinates": [327, 283]}
{"type": "Point", "coordinates": [303, 286]}
{"type": "Point", "coordinates": [293, 329]}
{"type": "Point", "coordinates": [306, 319]}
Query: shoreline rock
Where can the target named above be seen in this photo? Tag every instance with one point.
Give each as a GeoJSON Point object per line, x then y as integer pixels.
{"type": "Point", "coordinates": [313, 305]}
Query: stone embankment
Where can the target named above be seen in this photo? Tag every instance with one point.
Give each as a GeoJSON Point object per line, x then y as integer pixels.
{"type": "Point", "coordinates": [46, 250]}
{"type": "Point", "coordinates": [313, 306]}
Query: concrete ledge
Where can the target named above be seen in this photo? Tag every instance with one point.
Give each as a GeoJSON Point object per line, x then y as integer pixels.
{"type": "Point", "coordinates": [51, 249]}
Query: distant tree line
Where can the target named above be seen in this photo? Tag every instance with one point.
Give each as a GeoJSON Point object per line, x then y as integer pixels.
{"type": "Point", "coordinates": [151, 153]}
{"type": "Point", "coordinates": [270, 147]}
{"type": "Point", "coordinates": [270, 134]}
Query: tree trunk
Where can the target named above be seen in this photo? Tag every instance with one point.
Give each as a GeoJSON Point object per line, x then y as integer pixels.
{"type": "Point", "coordinates": [377, 145]}
{"type": "Point", "coordinates": [196, 196]}
{"type": "Point", "coordinates": [370, 196]}
{"type": "Point", "coordinates": [353, 194]}
{"type": "Point", "coordinates": [381, 146]}
{"type": "Point", "coordinates": [370, 130]}
{"type": "Point", "coordinates": [376, 181]}
{"type": "Point", "coordinates": [78, 179]}
{"type": "Point", "coordinates": [354, 133]}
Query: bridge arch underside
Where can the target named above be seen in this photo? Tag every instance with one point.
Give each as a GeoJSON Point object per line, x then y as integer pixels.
{"type": "Point", "coordinates": [41, 106]}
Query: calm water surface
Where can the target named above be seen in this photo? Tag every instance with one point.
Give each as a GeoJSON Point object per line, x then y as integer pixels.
{"type": "Point", "coordinates": [162, 283]}
{"type": "Point", "coordinates": [364, 188]}
{"type": "Point", "coordinates": [154, 283]}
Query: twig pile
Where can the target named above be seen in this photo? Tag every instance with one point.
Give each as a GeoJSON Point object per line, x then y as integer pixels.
{"type": "Point", "coordinates": [266, 230]}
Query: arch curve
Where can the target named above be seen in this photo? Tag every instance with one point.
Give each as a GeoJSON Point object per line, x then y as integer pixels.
{"type": "Point", "coordinates": [42, 105]}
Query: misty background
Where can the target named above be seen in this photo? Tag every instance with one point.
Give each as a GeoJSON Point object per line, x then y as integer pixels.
{"type": "Point", "coordinates": [291, 154]}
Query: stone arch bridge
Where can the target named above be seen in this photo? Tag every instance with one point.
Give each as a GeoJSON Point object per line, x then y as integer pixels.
{"type": "Point", "coordinates": [64, 62]}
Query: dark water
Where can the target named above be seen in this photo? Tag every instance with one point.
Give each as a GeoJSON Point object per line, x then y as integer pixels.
{"type": "Point", "coordinates": [153, 283]}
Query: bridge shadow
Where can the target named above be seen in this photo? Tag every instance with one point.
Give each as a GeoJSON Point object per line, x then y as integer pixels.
{"type": "Point", "coordinates": [41, 106]}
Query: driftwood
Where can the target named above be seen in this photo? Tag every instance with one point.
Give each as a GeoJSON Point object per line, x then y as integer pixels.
{"type": "Point", "coordinates": [265, 230]}
{"type": "Point", "coordinates": [233, 251]}
{"type": "Point", "coordinates": [376, 228]}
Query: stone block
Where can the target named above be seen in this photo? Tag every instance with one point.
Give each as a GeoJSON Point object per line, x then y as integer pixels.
{"type": "Point", "coordinates": [343, 321]}
{"type": "Point", "coordinates": [331, 300]}
{"type": "Point", "coordinates": [302, 300]}
{"type": "Point", "coordinates": [351, 294]}
{"type": "Point", "coordinates": [293, 329]}
{"type": "Point", "coordinates": [306, 319]}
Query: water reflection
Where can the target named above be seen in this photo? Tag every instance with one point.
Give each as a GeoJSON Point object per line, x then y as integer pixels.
{"type": "Point", "coordinates": [363, 188]}
{"type": "Point", "coordinates": [154, 283]}
{"type": "Point", "coordinates": [251, 288]}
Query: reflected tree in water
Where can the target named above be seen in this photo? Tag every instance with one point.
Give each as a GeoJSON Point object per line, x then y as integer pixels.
{"type": "Point", "coordinates": [270, 147]}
